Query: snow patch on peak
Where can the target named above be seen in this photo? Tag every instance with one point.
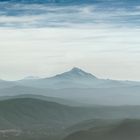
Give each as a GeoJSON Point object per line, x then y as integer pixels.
{"type": "Point", "coordinates": [76, 73]}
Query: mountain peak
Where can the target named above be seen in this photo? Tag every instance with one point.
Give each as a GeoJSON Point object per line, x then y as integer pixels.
{"type": "Point", "coordinates": [76, 69]}
{"type": "Point", "coordinates": [76, 73]}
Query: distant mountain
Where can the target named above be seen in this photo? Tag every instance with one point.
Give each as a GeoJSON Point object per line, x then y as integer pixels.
{"type": "Point", "coordinates": [5, 84]}
{"type": "Point", "coordinates": [75, 78]}
{"type": "Point", "coordinates": [75, 74]}
{"type": "Point", "coordinates": [101, 96]}
{"type": "Point", "coordinates": [77, 86]}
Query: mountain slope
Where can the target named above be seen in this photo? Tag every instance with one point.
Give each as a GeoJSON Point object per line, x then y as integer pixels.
{"type": "Point", "coordinates": [75, 78]}
{"type": "Point", "coordinates": [44, 98]}
{"type": "Point", "coordinates": [124, 130]}
{"type": "Point", "coordinates": [34, 119]}
{"type": "Point", "coordinates": [75, 74]}
{"type": "Point", "coordinates": [31, 110]}
{"type": "Point", "coordinates": [79, 86]}
{"type": "Point", "coordinates": [80, 96]}
{"type": "Point", "coordinates": [5, 84]}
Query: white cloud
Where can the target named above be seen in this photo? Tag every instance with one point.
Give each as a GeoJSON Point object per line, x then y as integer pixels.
{"type": "Point", "coordinates": [59, 16]}
{"type": "Point", "coordinates": [99, 40]}
{"type": "Point", "coordinates": [46, 51]}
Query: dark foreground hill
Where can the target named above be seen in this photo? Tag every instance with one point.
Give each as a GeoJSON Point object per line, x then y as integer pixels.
{"type": "Point", "coordinates": [44, 98]}
{"type": "Point", "coordinates": [124, 130]}
{"type": "Point", "coordinates": [27, 118]}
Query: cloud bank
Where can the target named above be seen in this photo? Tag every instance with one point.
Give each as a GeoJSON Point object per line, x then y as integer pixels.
{"type": "Point", "coordinates": [42, 40]}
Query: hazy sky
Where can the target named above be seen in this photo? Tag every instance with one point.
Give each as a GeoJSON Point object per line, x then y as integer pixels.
{"type": "Point", "coordinates": [40, 40]}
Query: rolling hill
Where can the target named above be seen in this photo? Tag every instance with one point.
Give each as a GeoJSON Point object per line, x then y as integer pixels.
{"type": "Point", "coordinates": [6, 84]}
{"type": "Point", "coordinates": [44, 98]}
{"type": "Point", "coordinates": [128, 129]}
{"type": "Point", "coordinates": [77, 86]}
{"type": "Point", "coordinates": [30, 118]}
{"type": "Point", "coordinates": [74, 78]}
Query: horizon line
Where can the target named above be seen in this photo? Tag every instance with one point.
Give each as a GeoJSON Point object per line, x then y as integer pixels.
{"type": "Point", "coordinates": [32, 77]}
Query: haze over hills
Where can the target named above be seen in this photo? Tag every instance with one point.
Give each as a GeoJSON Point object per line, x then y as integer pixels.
{"type": "Point", "coordinates": [27, 118]}
{"type": "Point", "coordinates": [30, 118]}
{"type": "Point", "coordinates": [78, 86]}
{"type": "Point", "coordinates": [38, 36]}
{"type": "Point", "coordinates": [44, 98]}
{"type": "Point", "coordinates": [74, 105]}
{"type": "Point", "coordinates": [75, 78]}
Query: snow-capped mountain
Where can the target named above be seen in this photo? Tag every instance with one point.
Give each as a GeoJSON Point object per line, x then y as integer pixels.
{"type": "Point", "coordinates": [77, 85]}
{"type": "Point", "coordinates": [74, 78]}
{"type": "Point", "coordinates": [75, 73]}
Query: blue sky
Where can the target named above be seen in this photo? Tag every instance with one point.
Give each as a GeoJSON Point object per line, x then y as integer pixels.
{"type": "Point", "coordinates": [43, 40]}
